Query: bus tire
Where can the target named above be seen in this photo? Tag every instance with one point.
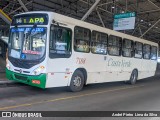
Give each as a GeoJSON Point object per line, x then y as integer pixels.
{"type": "Point", "coordinates": [77, 81]}
{"type": "Point", "coordinates": [133, 77]}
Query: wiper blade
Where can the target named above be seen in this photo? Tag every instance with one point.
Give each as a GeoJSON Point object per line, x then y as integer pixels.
{"type": "Point", "coordinates": [34, 26]}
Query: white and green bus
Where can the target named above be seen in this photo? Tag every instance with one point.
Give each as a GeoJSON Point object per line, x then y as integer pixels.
{"type": "Point", "coordinates": [47, 49]}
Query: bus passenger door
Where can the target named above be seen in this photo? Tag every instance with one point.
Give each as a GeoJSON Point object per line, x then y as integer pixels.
{"type": "Point", "coordinates": [132, 58]}
{"type": "Point", "coordinates": [148, 66]}
{"type": "Point", "coordinates": [127, 63]}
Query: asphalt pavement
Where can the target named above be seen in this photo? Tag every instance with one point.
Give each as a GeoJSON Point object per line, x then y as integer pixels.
{"type": "Point", "coordinates": [114, 96]}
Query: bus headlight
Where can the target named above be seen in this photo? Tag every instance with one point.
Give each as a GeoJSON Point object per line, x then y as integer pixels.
{"type": "Point", "coordinates": [38, 70]}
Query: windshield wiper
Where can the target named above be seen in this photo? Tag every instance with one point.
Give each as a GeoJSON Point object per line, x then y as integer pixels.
{"type": "Point", "coordinates": [34, 26]}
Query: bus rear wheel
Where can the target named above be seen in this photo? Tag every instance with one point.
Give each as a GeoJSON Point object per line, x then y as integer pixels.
{"type": "Point", "coordinates": [133, 77]}
{"type": "Point", "coordinates": [77, 81]}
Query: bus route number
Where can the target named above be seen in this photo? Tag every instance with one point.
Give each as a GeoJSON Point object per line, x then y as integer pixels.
{"type": "Point", "coordinates": [81, 60]}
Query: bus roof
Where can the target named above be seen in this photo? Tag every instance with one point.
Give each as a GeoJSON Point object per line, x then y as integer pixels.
{"type": "Point", "coordinates": [68, 20]}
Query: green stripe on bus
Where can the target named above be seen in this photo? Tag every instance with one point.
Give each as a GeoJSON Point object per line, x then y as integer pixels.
{"type": "Point", "coordinates": [27, 79]}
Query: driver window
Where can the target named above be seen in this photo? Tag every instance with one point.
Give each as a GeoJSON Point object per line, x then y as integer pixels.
{"type": "Point", "coordinates": [60, 41]}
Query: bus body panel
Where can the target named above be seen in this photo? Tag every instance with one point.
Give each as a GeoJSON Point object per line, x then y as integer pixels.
{"type": "Point", "coordinates": [100, 68]}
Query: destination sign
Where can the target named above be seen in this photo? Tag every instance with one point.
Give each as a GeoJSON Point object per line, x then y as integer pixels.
{"type": "Point", "coordinates": [27, 29]}
{"type": "Point", "coordinates": [30, 19]}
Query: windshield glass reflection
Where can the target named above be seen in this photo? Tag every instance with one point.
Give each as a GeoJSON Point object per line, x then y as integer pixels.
{"type": "Point", "coordinates": [27, 43]}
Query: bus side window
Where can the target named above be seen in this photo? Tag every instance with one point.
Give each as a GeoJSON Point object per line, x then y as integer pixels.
{"type": "Point", "coordinates": [114, 45]}
{"type": "Point", "coordinates": [153, 53]}
{"type": "Point", "coordinates": [99, 43]}
{"type": "Point", "coordinates": [60, 41]}
{"type": "Point", "coordinates": [138, 50]}
{"type": "Point", "coordinates": [82, 38]}
{"type": "Point", "coordinates": [146, 51]}
{"type": "Point", "coordinates": [127, 50]}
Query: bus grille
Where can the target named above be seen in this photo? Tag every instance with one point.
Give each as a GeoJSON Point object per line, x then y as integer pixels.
{"type": "Point", "coordinates": [23, 63]}
{"type": "Point", "coordinates": [20, 77]}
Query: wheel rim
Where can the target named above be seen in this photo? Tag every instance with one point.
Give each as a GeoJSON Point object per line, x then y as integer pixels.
{"type": "Point", "coordinates": [77, 81]}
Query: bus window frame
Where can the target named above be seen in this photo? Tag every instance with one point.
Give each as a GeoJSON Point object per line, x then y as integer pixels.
{"type": "Point", "coordinates": [89, 44]}
{"type": "Point", "coordinates": [92, 41]}
{"type": "Point", "coordinates": [51, 55]}
{"type": "Point", "coordinates": [120, 47]}
{"type": "Point", "coordinates": [138, 50]}
{"type": "Point", "coordinates": [132, 47]}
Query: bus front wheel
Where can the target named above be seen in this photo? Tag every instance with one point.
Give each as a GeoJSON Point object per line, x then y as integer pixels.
{"type": "Point", "coordinates": [77, 81]}
{"type": "Point", "coordinates": [133, 77]}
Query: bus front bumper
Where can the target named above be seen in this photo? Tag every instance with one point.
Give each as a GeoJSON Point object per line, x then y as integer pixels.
{"type": "Point", "coordinates": [33, 80]}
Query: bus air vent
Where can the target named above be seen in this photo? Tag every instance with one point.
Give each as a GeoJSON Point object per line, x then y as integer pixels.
{"type": "Point", "coordinates": [20, 77]}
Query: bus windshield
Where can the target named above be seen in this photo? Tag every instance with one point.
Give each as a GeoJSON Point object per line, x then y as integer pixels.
{"type": "Point", "coordinates": [27, 43]}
